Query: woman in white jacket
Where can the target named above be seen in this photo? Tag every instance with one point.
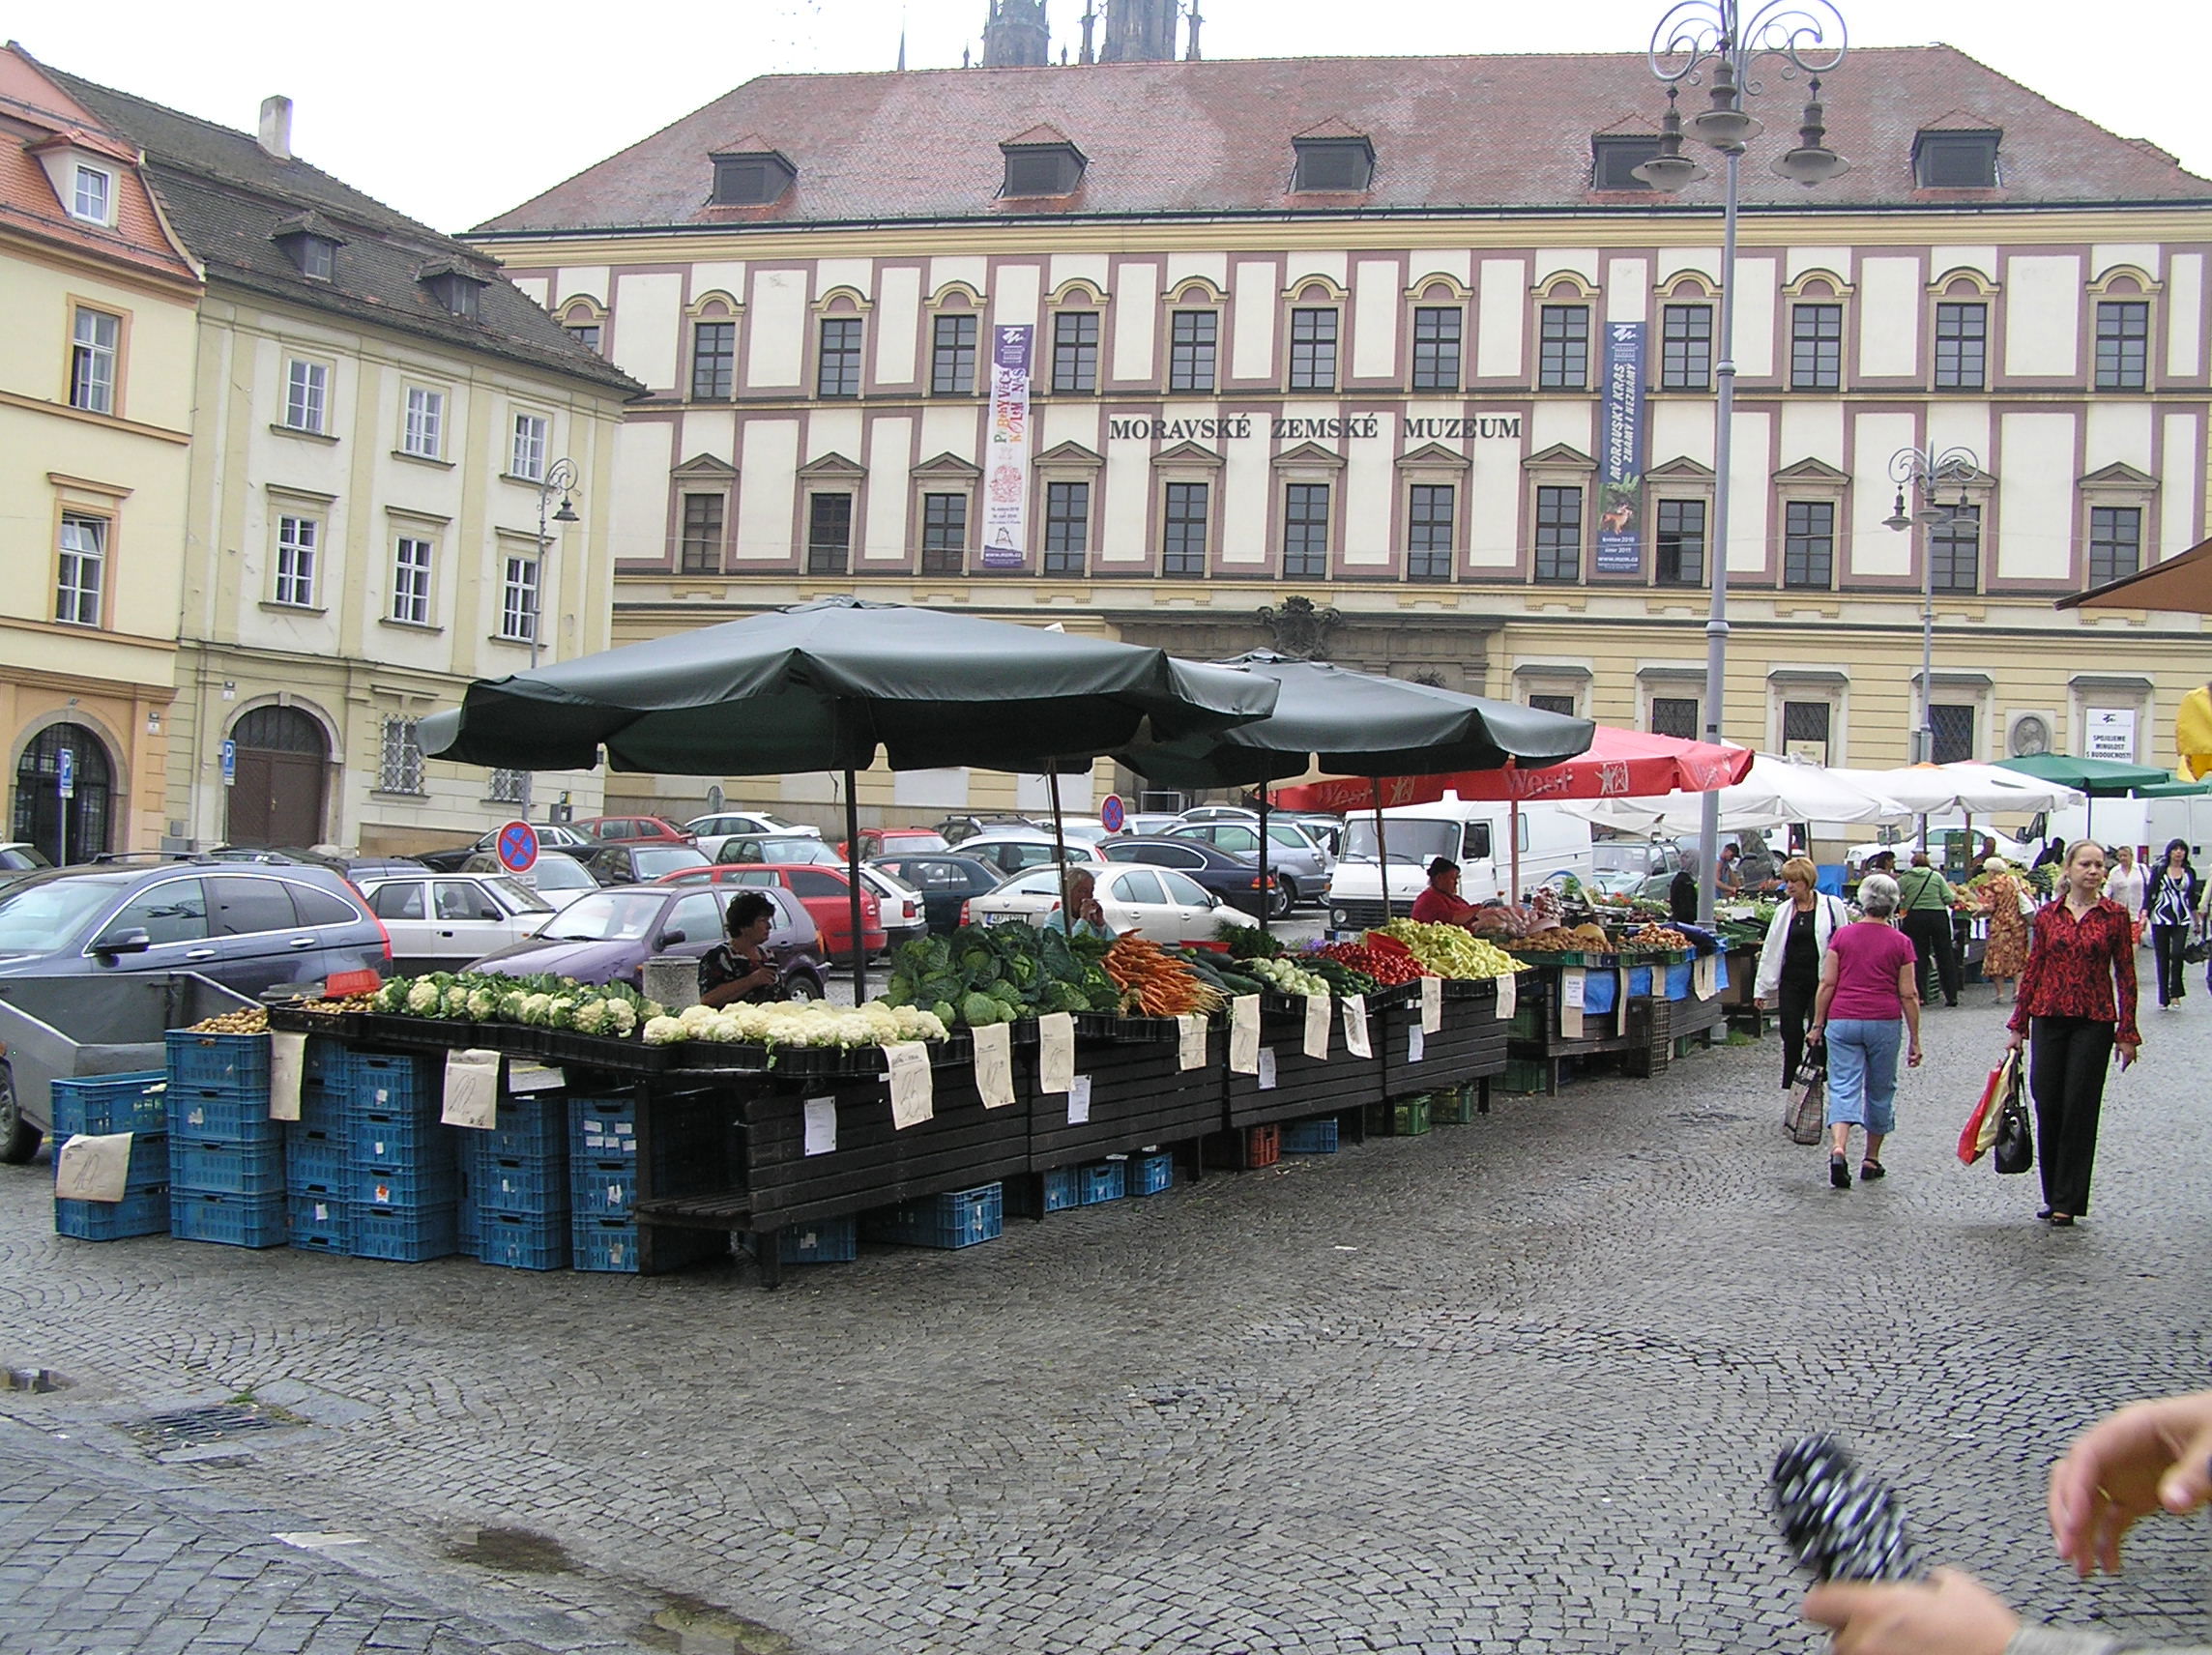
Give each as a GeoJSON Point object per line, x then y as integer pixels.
{"type": "Point", "coordinates": [1790, 960]}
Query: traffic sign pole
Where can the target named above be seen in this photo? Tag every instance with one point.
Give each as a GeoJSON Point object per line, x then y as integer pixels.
{"type": "Point", "coordinates": [517, 844]}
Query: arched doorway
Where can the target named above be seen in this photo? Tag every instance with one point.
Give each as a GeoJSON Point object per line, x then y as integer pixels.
{"type": "Point", "coordinates": [276, 797]}
{"type": "Point", "coordinates": [42, 814]}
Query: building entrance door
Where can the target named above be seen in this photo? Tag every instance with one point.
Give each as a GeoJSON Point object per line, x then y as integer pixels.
{"type": "Point", "coordinates": [42, 814]}
{"type": "Point", "coordinates": [283, 763]}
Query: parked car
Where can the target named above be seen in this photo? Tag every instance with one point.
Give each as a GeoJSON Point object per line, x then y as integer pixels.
{"type": "Point", "coordinates": [1163, 904]}
{"type": "Point", "coordinates": [709, 832]}
{"type": "Point", "coordinates": [1622, 867]}
{"type": "Point", "coordinates": [551, 836]}
{"type": "Point", "coordinates": [438, 921]}
{"type": "Point", "coordinates": [1300, 868]}
{"type": "Point", "coordinates": [823, 891]}
{"type": "Point", "coordinates": [1326, 832]}
{"type": "Point", "coordinates": [247, 927]}
{"type": "Point", "coordinates": [878, 842]}
{"type": "Point", "coordinates": [1010, 850]}
{"type": "Point", "coordinates": [906, 916]}
{"type": "Point", "coordinates": [1219, 813]}
{"type": "Point", "coordinates": [955, 828]}
{"type": "Point", "coordinates": [608, 936]}
{"type": "Point", "coordinates": [1229, 876]}
{"type": "Point", "coordinates": [800, 848]}
{"type": "Point", "coordinates": [559, 880]}
{"type": "Point", "coordinates": [1084, 832]}
{"type": "Point", "coordinates": [19, 856]}
{"type": "Point", "coordinates": [641, 863]}
{"type": "Point", "coordinates": [633, 830]}
{"type": "Point", "coordinates": [946, 882]}
{"type": "Point", "coordinates": [1149, 822]}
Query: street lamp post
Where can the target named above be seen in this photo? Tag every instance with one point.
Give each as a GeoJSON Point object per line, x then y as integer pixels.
{"type": "Point", "coordinates": [560, 479]}
{"type": "Point", "coordinates": [1695, 40]}
{"type": "Point", "coordinates": [1924, 471]}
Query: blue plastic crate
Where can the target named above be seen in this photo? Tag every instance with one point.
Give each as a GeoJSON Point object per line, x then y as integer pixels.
{"type": "Point", "coordinates": [388, 1082]}
{"type": "Point", "coordinates": [321, 1107]}
{"type": "Point", "coordinates": [602, 1189]}
{"type": "Point", "coordinates": [144, 1213]}
{"type": "Point", "coordinates": [468, 1222]}
{"type": "Point", "coordinates": [1315, 1137]}
{"type": "Point", "coordinates": [240, 1060]}
{"type": "Point", "coordinates": [603, 1128]}
{"type": "Point", "coordinates": [825, 1241]}
{"type": "Point", "coordinates": [1101, 1181]}
{"type": "Point", "coordinates": [406, 1234]}
{"type": "Point", "coordinates": [137, 1102]}
{"type": "Point", "coordinates": [1150, 1174]}
{"type": "Point", "coordinates": [959, 1219]}
{"type": "Point", "coordinates": [608, 1245]}
{"type": "Point", "coordinates": [530, 1127]}
{"type": "Point", "coordinates": [381, 1138]}
{"type": "Point", "coordinates": [233, 1220]}
{"type": "Point", "coordinates": [1059, 1193]}
{"type": "Point", "coordinates": [322, 1054]}
{"type": "Point", "coordinates": [320, 1223]}
{"type": "Point", "coordinates": [222, 1114]}
{"type": "Point", "coordinates": [224, 1168]}
{"type": "Point", "coordinates": [407, 1187]}
{"type": "Point", "coordinates": [526, 1187]}
{"type": "Point", "coordinates": [515, 1241]}
{"type": "Point", "coordinates": [315, 1162]}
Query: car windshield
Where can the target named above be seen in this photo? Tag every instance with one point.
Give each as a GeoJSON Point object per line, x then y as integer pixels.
{"type": "Point", "coordinates": [1623, 856]}
{"type": "Point", "coordinates": [38, 919]}
{"type": "Point", "coordinates": [519, 897]}
{"type": "Point", "coordinates": [657, 859]}
{"type": "Point", "coordinates": [561, 873]}
{"type": "Point", "coordinates": [23, 856]}
{"type": "Point", "coordinates": [1404, 840]}
{"type": "Point", "coordinates": [607, 917]}
{"type": "Point", "coordinates": [792, 850]}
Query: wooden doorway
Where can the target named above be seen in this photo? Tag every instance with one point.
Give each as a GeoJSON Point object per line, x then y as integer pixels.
{"type": "Point", "coordinates": [283, 767]}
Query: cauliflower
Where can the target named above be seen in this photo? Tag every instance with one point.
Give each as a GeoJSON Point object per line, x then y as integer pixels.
{"type": "Point", "coordinates": [591, 1017]}
{"type": "Point", "coordinates": [423, 999]}
{"type": "Point", "coordinates": [458, 1001]}
{"type": "Point", "coordinates": [621, 1018]}
{"type": "Point", "coordinates": [561, 1011]}
{"type": "Point", "coordinates": [663, 1032]}
{"type": "Point", "coordinates": [392, 996]}
{"type": "Point", "coordinates": [483, 1004]}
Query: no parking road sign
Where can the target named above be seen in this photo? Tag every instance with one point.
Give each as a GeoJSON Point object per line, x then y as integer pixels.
{"type": "Point", "coordinates": [518, 847]}
{"type": "Point", "coordinates": [1112, 815]}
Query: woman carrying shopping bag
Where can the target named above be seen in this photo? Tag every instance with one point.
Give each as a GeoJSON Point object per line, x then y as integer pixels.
{"type": "Point", "coordinates": [2076, 1001]}
{"type": "Point", "coordinates": [1869, 997]}
{"type": "Point", "coordinates": [2171, 904]}
{"type": "Point", "coordinates": [1790, 959]}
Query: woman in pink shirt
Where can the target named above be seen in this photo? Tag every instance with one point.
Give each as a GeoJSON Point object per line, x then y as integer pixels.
{"type": "Point", "coordinates": [1868, 997]}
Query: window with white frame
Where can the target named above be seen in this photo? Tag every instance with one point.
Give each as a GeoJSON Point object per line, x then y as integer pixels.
{"type": "Point", "coordinates": [519, 601]}
{"type": "Point", "coordinates": [425, 431]}
{"type": "Point", "coordinates": [95, 335]}
{"type": "Point", "coordinates": [529, 457]}
{"type": "Point", "coordinates": [411, 557]}
{"type": "Point", "coordinates": [297, 538]}
{"type": "Point", "coordinates": [93, 195]}
{"type": "Point", "coordinates": [399, 761]}
{"type": "Point", "coordinates": [306, 395]}
{"type": "Point", "coordinates": [82, 572]}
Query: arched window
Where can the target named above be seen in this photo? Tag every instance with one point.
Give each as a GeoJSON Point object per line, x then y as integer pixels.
{"type": "Point", "coordinates": [279, 730]}
{"type": "Point", "coordinates": [67, 830]}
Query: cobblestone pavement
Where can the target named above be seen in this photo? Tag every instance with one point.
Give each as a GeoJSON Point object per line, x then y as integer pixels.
{"type": "Point", "coordinates": [1511, 1386]}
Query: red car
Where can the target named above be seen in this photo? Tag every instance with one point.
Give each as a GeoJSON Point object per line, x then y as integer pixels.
{"type": "Point", "coordinates": [634, 830]}
{"type": "Point", "coordinates": [894, 842]}
{"type": "Point", "coordinates": [821, 890]}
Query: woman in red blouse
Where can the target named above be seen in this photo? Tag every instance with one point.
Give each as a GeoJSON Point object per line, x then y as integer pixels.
{"type": "Point", "coordinates": [2077, 1001]}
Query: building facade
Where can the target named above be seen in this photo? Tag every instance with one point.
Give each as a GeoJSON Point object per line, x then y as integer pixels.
{"type": "Point", "coordinates": [95, 401]}
{"type": "Point", "coordinates": [374, 513]}
{"type": "Point", "coordinates": [1397, 360]}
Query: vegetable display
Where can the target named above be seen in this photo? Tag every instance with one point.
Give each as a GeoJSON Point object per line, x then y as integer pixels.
{"type": "Point", "coordinates": [983, 974]}
{"type": "Point", "coordinates": [1155, 983]}
{"type": "Point", "coordinates": [1448, 952]}
{"type": "Point", "coordinates": [613, 1010]}
{"type": "Point", "coordinates": [1289, 978]}
{"type": "Point", "coordinates": [1387, 966]}
{"type": "Point", "coordinates": [800, 1024]}
{"type": "Point", "coordinates": [1583, 939]}
{"type": "Point", "coordinates": [1655, 937]}
{"type": "Point", "coordinates": [251, 1022]}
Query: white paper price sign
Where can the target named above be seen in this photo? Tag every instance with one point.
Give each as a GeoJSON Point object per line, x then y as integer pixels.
{"type": "Point", "coordinates": [1190, 1040]}
{"type": "Point", "coordinates": [1056, 1051]}
{"type": "Point", "coordinates": [1266, 1068]}
{"type": "Point", "coordinates": [94, 1167]}
{"type": "Point", "coordinates": [1317, 1026]}
{"type": "Point", "coordinates": [821, 1125]}
{"type": "Point", "coordinates": [994, 1064]}
{"type": "Point", "coordinates": [1705, 976]}
{"type": "Point", "coordinates": [1079, 1100]}
{"type": "Point", "coordinates": [1431, 1004]}
{"type": "Point", "coordinates": [1620, 1001]}
{"type": "Point", "coordinates": [287, 1065]}
{"type": "Point", "coordinates": [1508, 996]}
{"type": "Point", "coordinates": [472, 1090]}
{"type": "Point", "coordinates": [1244, 1034]}
{"type": "Point", "coordinates": [913, 1098]}
{"type": "Point", "coordinates": [1355, 1025]}
{"type": "Point", "coordinates": [1571, 1004]}
{"type": "Point", "coordinates": [1416, 1043]}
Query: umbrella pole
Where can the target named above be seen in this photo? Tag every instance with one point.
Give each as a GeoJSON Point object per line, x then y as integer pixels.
{"type": "Point", "coordinates": [853, 874]}
{"type": "Point", "coordinates": [1381, 848]}
{"type": "Point", "coordinates": [1513, 837]}
{"type": "Point", "coordinates": [1058, 843]}
{"type": "Point", "coordinates": [1265, 903]}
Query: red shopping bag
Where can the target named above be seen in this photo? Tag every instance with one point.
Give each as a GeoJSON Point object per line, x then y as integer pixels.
{"type": "Point", "coordinates": [1981, 1128]}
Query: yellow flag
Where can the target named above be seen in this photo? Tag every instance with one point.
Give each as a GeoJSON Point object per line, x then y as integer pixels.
{"type": "Point", "coordinates": [2192, 732]}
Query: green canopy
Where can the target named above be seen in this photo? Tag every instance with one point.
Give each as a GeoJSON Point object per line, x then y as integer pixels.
{"type": "Point", "coordinates": [2176, 790]}
{"type": "Point", "coordinates": [829, 685]}
{"type": "Point", "coordinates": [2099, 778]}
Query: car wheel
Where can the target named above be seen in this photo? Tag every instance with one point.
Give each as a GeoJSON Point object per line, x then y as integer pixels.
{"type": "Point", "coordinates": [1285, 899]}
{"type": "Point", "coordinates": [802, 987]}
{"type": "Point", "coordinates": [19, 1140]}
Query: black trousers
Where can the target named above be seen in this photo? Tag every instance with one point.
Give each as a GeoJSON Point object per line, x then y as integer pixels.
{"type": "Point", "coordinates": [1793, 998]}
{"type": "Point", "coordinates": [2067, 1061]}
{"type": "Point", "coordinates": [2167, 943]}
{"type": "Point", "coordinates": [1929, 931]}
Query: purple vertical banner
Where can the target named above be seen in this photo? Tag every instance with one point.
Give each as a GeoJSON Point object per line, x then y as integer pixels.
{"type": "Point", "coordinates": [1006, 454]}
{"type": "Point", "coordinates": [1621, 468]}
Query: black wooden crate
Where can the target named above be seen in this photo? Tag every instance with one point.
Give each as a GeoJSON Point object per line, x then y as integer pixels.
{"type": "Point", "coordinates": [1306, 1085]}
{"type": "Point", "coordinates": [1138, 1096]}
{"type": "Point", "coordinates": [1468, 1046]}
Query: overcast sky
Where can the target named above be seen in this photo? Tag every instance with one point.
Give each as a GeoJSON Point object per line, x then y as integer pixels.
{"type": "Point", "coordinates": [452, 112]}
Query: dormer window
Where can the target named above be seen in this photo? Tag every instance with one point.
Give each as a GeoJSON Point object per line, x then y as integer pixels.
{"type": "Point", "coordinates": [1956, 159]}
{"type": "Point", "coordinates": [310, 244]}
{"type": "Point", "coordinates": [1332, 166]}
{"type": "Point", "coordinates": [1042, 162]}
{"type": "Point", "coordinates": [1614, 160]}
{"type": "Point", "coordinates": [93, 194]}
{"type": "Point", "coordinates": [453, 287]}
{"type": "Point", "coordinates": [317, 256]}
{"type": "Point", "coordinates": [751, 178]}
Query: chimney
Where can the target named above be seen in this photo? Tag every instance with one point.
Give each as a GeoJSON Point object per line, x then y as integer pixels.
{"type": "Point", "coordinates": [277, 126]}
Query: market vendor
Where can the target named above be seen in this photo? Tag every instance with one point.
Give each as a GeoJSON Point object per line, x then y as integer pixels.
{"type": "Point", "coordinates": [1083, 902]}
{"type": "Point", "coordinates": [740, 968]}
{"type": "Point", "coordinates": [1440, 904]}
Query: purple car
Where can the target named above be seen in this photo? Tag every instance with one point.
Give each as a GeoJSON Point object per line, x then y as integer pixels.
{"type": "Point", "coordinates": [606, 936]}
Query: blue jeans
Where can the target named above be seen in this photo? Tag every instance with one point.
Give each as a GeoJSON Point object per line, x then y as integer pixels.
{"type": "Point", "coordinates": [1862, 1072]}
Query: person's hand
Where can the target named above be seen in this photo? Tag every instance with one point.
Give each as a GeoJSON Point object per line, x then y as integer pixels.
{"type": "Point", "coordinates": [2013, 1041]}
{"type": "Point", "coordinates": [1913, 1056]}
{"type": "Point", "coordinates": [1766, 1003]}
{"type": "Point", "coordinates": [1812, 1033]}
{"type": "Point", "coordinates": [2129, 1051]}
{"type": "Point", "coordinates": [2148, 1456]}
{"type": "Point", "coordinates": [1949, 1613]}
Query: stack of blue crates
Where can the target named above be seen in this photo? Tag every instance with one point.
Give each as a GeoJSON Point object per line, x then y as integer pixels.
{"type": "Point", "coordinates": [1316, 1136]}
{"type": "Point", "coordinates": [317, 1157]}
{"type": "Point", "coordinates": [960, 1218]}
{"type": "Point", "coordinates": [517, 1184]}
{"type": "Point", "coordinates": [226, 1157]}
{"type": "Point", "coordinates": [404, 1177]}
{"type": "Point", "coordinates": [134, 1103]}
{"type": "Point", "coordinates": [602, 1182]}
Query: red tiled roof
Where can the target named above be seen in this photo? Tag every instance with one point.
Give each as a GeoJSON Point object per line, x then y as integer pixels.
{"type": "Point", "coordinates": [1473, 132]}
{"type": "Point", "coordinates": [36, 114]}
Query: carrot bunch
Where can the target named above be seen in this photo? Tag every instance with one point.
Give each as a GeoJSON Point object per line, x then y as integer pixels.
{"type": "Point", "coordinates": [1154, 983]}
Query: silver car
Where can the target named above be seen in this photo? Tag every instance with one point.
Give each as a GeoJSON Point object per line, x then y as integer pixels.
{"type": "Point", "coordinates": [1302, 867]}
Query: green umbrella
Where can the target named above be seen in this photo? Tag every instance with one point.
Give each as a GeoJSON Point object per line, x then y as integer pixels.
{"type": "Point", "coordinates": [2099, 778]}
{"type": "Point", "coordinates": [2176, 790]}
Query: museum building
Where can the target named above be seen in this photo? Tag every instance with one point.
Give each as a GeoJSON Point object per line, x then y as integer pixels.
{"type": "Point", "coordinates": [1398, 360]}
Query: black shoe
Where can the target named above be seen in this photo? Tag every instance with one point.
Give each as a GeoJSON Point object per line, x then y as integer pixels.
{"type": "Point", "coordinates": [1952, 1004]}
{"type": "Point", "coordinates": [1869, 1171]}
{"type": "Point", "coordinates": [2043, 1213]}
{"type": "Point", "coordinates": [1839, 1172]}
{"type": "Point", "coordinates": [2061, 1221]}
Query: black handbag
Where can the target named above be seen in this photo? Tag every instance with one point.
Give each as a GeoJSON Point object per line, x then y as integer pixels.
{"type": "Point", "coordinates": [1803, 1115]}
{"type": "Point", "coordinates": [2015, 1148]}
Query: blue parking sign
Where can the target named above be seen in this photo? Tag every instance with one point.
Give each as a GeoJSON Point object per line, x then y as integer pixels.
{"type": "Point", "coordinates": [65, 772]}
{"type": "Point", "coordinates": [230, 764]}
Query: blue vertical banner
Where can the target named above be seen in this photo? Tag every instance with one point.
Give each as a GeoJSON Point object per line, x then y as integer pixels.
{"type": "Point", "coordinates": [1006, 454]}
{"type": "Point", "coordinates": [1621, 468]}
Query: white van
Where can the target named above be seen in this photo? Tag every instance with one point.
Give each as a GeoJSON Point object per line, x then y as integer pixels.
{"type": "Point", "coordinates": [2147, 824]}
{"type": "Point", "coordinates": [1471, 834]}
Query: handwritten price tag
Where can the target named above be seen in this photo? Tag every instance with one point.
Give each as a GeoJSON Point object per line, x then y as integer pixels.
{"type": "Point", "coordinates": [994, 1064]}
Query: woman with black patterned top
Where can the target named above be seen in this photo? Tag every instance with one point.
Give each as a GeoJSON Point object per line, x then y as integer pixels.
{"type": "Point", "coordinates": [740, 968]}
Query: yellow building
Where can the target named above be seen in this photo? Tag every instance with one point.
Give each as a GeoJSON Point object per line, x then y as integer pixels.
{"type": "Point", "coordinates": [379, 505]}
{"type": "Point", "coordinates": [96, 402]}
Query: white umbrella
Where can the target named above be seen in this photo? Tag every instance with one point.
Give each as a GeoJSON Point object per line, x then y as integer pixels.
{"type": "Point", "coordinates": [1775, 791]}
{"type": "Point", "coordinates": [1980, 790]}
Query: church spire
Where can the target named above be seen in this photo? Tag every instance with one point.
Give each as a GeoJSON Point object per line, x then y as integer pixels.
{"type": "Point", "coordinates": [1016, 36]}
{"type": "Point", "coordinates": [1139, 31]}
